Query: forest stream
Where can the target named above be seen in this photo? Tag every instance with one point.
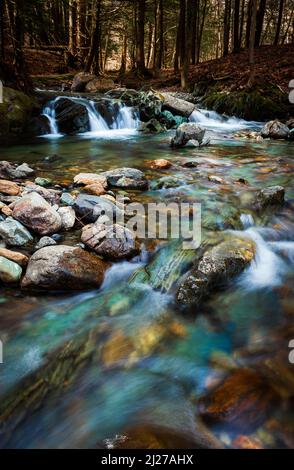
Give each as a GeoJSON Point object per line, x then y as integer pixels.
{"type": "Point", "coordinates": [125, 365]}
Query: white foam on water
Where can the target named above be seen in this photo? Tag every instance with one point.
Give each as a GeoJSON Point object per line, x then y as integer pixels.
{"type": "Point", "coordinates": [214, 121]}
{"type": "Point", "coordinates": [247, 220]}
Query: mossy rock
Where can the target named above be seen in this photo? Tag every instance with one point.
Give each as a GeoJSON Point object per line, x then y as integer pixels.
{"type": "Point", "coordinates": [257, 104]}
{"type": "Point", "coordinates": [15, 112]}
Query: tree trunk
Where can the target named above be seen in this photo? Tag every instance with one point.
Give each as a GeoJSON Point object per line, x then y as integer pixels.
{"type": "Point", "coordinates": [180, 36]}
{"type": "Point", "coordinates": [248, 25]}
{"type": "Point", "coordinates": [140, 59]}
{"type": "Point", "coordinates": [199, 40]}
{"type": "Point", "coordinates": [160, 51]}
{"type": "Point", "coordinates": [251, 44]}
{"type": "Point", "coordinates": [227, 21]}
{"type": "Point", "coordinates": [277, 36]}
{"type": "Point", "coordinates": [72, 28]}
{"type": "Point", "coordinates": [81, 28]}
{"type": "Point", "coordinates": [93, 60]}
{"type": "Point", "coordinates": [259, 21]}
{"type": "Point", "coordinates": [236, 25]}
{"type": "Point", "coordinates": [242, 23]}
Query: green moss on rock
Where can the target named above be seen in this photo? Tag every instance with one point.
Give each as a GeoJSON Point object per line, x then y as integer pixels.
{"type": "Point", "coordinates": [15, 112]}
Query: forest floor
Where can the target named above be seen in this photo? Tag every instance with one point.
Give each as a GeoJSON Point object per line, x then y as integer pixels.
{"type": "Point", "coordinates": [274, 66]}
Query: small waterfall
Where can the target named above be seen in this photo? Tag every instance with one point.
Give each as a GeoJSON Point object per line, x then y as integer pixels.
{"type": "Point", "coordinates": [268, 267]}
{"type": "Point", "coordinates": [214, 121]}
{"type": "Point", "coordinates": [125, 121]}
{"type": "Point", "coordinates": [247, 220]}
{"type": "Point", "coordinates": [49, 112]}
{"type": "Point", "coordinates": [126, 118]}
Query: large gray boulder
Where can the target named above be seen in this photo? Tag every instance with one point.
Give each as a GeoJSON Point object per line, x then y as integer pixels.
{"type": "Point", "coordinates": [126, 178]}
{"type": "Point", "coordinates": [35, 213]}
{"type": "Point", "coordinates": [275, 130]}
{"type": "Point", "coordinates": [62, 267]}
{"type": "Point", "coordinates": [271, 196]}
{"type": "Point", "coordinates": [72, 117]}
{"type": "Point", "coordinates": [186, 132]}
{"type": "Point", "coordinates": [110, 241]}
{"type": "Point", "coordinates": [80, 81]}
{"type": "Point", "coordinates": [177, 106]}
{"type": "Point", "coordinates": [89, 208]}
{"type": "Point", "coordinates": [14, 233]}
{"type": "Point", "coordinates": [216, 267]}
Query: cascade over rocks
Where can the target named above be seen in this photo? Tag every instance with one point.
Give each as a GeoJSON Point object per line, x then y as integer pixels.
{"type": "Point", "coordinates": [216, 267]}
{"type": "Point", "coordinates": [62, 268]}
{"type": "Point", "coordinates": [34, 212]}
{"type": "Point", "coordinates": [71, 116]}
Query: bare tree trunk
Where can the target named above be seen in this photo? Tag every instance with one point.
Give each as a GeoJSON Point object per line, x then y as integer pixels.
{"type": "Point", "coordinates": [251, 44]}
{"type": "Point", "coordinates": [93, 59]}
{"type": "Point", "coordinates": [81, 28]}
{"type": "Point", "coordinates": [277, 36]}
{"type": "Point", "coordinates": [140, 59]}
{"type": "Point", "coordinates": [199, 41]}
{"type": "Point", "coordinates": [72, 27]}
{"type": "Point", "coordinates": [242, 23]}
{"type": "Point", "coordinates": [180, 36]}
{"type": "Point", "coordinates": [123, 65]}
{"type": "Point", "coordinates": [227, 21]}
{"type": "Point", "coordinates": [259, 21]}
{"type": "Point", "coordinates": [236, 47]}
{"type": "Point", "coordinates": [160, 51]}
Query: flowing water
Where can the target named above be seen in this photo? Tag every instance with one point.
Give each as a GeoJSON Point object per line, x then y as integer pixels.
{"type": "Point", "coordinates": [81, 370]}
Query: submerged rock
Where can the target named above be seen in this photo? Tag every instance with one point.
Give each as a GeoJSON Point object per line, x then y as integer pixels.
{"type": "Point", "coordinates": [110, 241]}
{"type": "Point", "coordinates": [35, 213]}
{"type": "Point", "coordinates": [216, 267]}
{"type": "Point", "coordinates": [14, 233]}
{"type": "Point", "coordinates": [186, 132]}
{"type": "Point", "coordinates": [151, 127]}
{"type": "Point", "coordinates": [271, 196]}
{"type": "Point", "coordinates": [9, 271]}
{"type": "Point", "coordinates": [126, 178]}
{"type": "Point", "coordinates": [160, 164]}
{"type": "Point", "coordinates": [166, 182]}
{"type": "Point", "coordinates": [90, 208]}
{"type": "Point", "coordinates": [275, 130]}
{"type": "Point", "coordinates": [63, 268]}
{"type": "Point", "coordinates": [242, 400]}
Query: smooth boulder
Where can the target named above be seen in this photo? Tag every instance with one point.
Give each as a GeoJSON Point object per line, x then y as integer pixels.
{"type": "Point", "coordinates": [14, 233]}
{"type": "Point", "coordinates": [9, 188]}
{"type": "Point", "coordinates": [126, 178]}
{"type": "Point", "coordinates": [177, 106]}
{"type": "Point", "coordinates": [68, 217]}
{"type": "Point", "coordinates": [110, 241]}
{"type": "Point", "coordinates": [275, 130]}
{"type": "Point", "coordinates": [271, 196]}
{"type": "Point", "coordinates": [18, 258]}
{"type": "Point", "coordinates": [62, 268]}
{"type": "Point", "coordinates": [216, 267]}
{"type": "Point", "coordinates": [35, 213]}
{"type": "Point", "coordinates": [186, 132]}
{"type": "Point", "coordinates": [89, 208]}
{"type": "Point", "coordinates": [9, 271]}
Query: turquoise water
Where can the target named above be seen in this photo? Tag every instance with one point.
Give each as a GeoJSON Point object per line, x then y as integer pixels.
{"type": "Point", "coordinates": [83, 368]}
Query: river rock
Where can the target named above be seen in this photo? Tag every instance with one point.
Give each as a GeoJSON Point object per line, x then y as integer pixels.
{"type": "Point", "coordinates": [80, 81]}
{"type": "Point", "coordinates": [39, 125]}
{"type": "Point", "coordinates": [8, 187]}
{"type": "Point", "coordinates": [14, 233]}
{"type": "Point", "coordinates": [45, 241]}
{"type": "Point", "coordinates": [271, 196]}
{"type": "Point", "coordinates": [44, 182]}
{"type": "Point", "coordinates": [177, 106]}
{"type": "Point", "coordinates": [99, 85]}
{"type": "Point", "coordinates": [217, 266]}
{"type": "Point", "coordinates": [67, 198]}
{"type": "Point", "coordinates": [14, 256]}
{"type": "Point", "coordinates": [9, 271]}
{"type": "Point", "coordinates": [150, 106]}
{"type": "Point", "coordinates": [160, 164]}
{"type": "Point", "coordinates": [126, 178]}
{"type": "Point", "coordinates": [110, 241]}
{"type": "Point", "coordinates": [35, 213]}
{"type": "Point", "coordinates": [68, 217]}
{"type": "Point", "coordinates": [63, 268]}
{"type": "Point", "coordinates": [97, 189]}
{"type": "Point", "coordinates": [86, 179]}
{"type": "Point", "coordinates": [242, 400]}
{"type": "Point", "coordinates": [275, 130]}
{"type": "Point", "coordinates": [186, 132]}
{"type": "Point", "coordinates": [166, 182]}
{"type": "Point", "coordinates": [50, 195]}
{"type": "Point", "coordinates": [89, 208]}
{"type": "Point", "coordinates": [21, 171]}
{"type": "Point", "coordinates": [151, 127]}
{"type": "Point", "coordinates": [71, 116]}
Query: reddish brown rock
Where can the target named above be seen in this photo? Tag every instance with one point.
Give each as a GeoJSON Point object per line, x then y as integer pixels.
{"type": "Point", "coordinates": [9, 188]}
{"type": "Point", "coordinates": [35, 213]}
{"type": "Point", "coordinates": [18, 258]}
{"type": "Point", "coordinates": [242, 400]}
{"type": "Point", "coordinates": [97, 189]}
{"type": "Point", "coordinates": [159, 164]}
{"type": "Point", "coordinates": [246, 442]}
